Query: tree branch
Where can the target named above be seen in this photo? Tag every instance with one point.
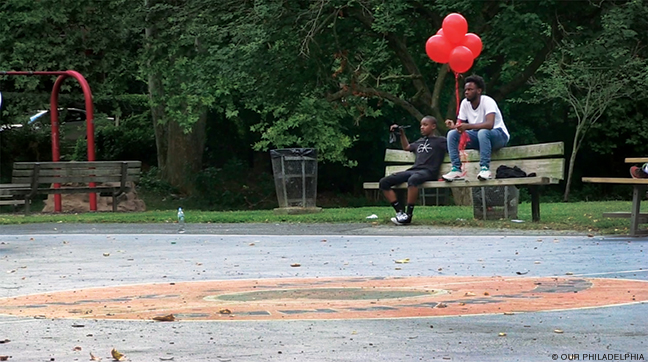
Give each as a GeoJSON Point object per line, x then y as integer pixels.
{"type": "Point", "coordinates": [372, 92]}
{"type": "Point", "coordinates": [501, 93]}
{"type": "Point", "coordinates": [400, 50]}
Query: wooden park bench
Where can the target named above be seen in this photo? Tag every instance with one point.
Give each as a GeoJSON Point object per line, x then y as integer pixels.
{"type": "Point", "coordinates": [639, 190]}
{"type": "Point", "coordinates": [112, 178]}
{"type": "Point", "coordinates": [545, 159]}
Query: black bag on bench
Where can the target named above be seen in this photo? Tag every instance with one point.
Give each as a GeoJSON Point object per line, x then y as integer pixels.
{"type": "Point", "coordinates": [514, 172]}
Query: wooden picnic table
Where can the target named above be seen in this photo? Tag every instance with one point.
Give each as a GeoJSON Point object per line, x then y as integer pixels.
{"type": "Point", "coordinates": [639, 187]}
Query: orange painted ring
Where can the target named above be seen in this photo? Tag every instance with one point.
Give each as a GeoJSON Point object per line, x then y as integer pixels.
{"type": "Point", "coordinates": [329, 298]}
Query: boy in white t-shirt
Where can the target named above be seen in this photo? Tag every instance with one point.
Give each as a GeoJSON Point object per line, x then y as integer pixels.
{"type": "Point", "coordinates": [482, 120]}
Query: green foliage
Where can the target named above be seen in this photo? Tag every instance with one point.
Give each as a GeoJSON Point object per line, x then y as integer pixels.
{"type": "Point", "coordinates": [131, 140]}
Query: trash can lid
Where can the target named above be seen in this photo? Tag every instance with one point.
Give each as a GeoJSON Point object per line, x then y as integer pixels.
{"type": "Point", "coordinates": [303, 152]}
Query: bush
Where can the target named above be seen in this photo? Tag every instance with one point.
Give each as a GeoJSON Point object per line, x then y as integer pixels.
{"type": "Point", "coordinates": [234, 187]}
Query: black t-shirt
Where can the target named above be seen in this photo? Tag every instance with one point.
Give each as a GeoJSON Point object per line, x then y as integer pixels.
{"type": "Point", "coordinates": [429, 153]}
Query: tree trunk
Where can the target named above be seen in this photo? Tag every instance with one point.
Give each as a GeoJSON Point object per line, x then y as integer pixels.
{"type": "Point", "coordinates": [156, 96]}
{"type": "Point", "coordinates": [570, 170]}
{"type": "Point", "coordinates": [185, 152]}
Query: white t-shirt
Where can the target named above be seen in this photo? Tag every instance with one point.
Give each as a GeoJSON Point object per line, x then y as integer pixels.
{"type": "Point", "coordinates": [486, 106]}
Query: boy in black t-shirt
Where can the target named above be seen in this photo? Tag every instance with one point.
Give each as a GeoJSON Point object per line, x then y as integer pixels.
{"type": "Point", "coordinates": [430, 150]}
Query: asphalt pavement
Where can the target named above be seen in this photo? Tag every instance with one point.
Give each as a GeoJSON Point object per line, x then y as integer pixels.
{"type": "Point", "coordinates": [49, 258]}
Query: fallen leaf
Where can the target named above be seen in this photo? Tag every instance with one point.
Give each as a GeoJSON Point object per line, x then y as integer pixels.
{"type": "Point", "coordinates": [469, 294]}
{"type": "Point", "coordinates": [166, 358]}
{"type": "Point", "coordinates": [106, 254]}
{"type": "Point", "coordinates": [402, 261]}
{"type": "Point", "coordinates": [4, 358]}
{"type": "Point", "coordinates": [397, 268]}
{"type": "Point", "coordinates": [502, 334]}
{"type": "Point", "coordinates": [442, 305]}
{"type": "Point", "coordinates": [94, 358]}
{"type": "Point", "coordinates": [323, 240]}
{"type": "Point", "coordinates": [166, 318]}
{"type": "Point", "coordinates": [558, 331]}
{"type": "Point", "coordinates": [486, 293]}
{"type": "Point", "coordinates": [78, 325]}
{"type": "Point", "coordinates": [295, 265]}
{"type": "Point", "coordinates": [590, 235]}
{"type": "Point", "coordinates": [508, 313]}
{"type": "Point", "coordinates": [225, 311]}
{"type": "Point", "coordinates": [117, 355]}
{"type": "Point", "coordinates": [77, 348]}
{"type": "Point", "coordinates": [252, 244]}
{"type": "Point", "coordinates": [569, 273]}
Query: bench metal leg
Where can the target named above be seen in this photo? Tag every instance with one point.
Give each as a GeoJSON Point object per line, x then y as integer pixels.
{"type": "Point", "coordinates": [637, 193]}
{"type": "Point", "coordinates": [535, 203]}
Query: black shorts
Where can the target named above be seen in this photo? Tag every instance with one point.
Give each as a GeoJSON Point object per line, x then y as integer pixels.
{"type": "Point", "coordinates": [412, 177]}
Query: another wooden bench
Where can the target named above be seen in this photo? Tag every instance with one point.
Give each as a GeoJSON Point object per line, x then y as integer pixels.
{"type": "Point", "coordinates": [639, 190]}
{"type": "Point", "coordinates": [10, 199]}
{"type": "Point", "coordinates": [113, 178]}
{"type": "Point", "coordinates": [544, 159]}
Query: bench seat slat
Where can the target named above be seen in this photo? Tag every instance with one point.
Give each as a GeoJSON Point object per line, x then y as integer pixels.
{"type": "Point", "coordinates": [506, 153]}
{"type": "Point", "coordinates": [494, 182]}
{"type": "Point", "coordinates": [617, 180]}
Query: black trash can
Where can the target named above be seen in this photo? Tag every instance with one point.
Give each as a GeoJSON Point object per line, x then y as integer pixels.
{"type": "Point", "coordinates": [295, 177]}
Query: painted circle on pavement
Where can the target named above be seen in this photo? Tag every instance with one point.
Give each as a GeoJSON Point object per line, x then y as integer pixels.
{"type": "Point", "coordinates": [328, 298]}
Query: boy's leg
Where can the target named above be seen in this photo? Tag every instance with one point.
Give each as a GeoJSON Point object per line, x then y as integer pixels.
{"type": "Point", "coordinates": [413, 183]}
{"type": "Point", "coordinates": [386, 184]}
{"type": "Point", "coordinates": [489, 140]}
{"type": "Point", "coordinates": [453, 148]}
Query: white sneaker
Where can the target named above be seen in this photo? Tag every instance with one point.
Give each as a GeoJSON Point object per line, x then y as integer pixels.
{"type": "Point", "coordinates": [454, 174]}
{"type": "Point", "coordinates": [401, 219]}
{"type": "Point", "coordinates": [484, 174]}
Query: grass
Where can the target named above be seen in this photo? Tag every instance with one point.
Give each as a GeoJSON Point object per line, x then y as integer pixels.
{"type": "Point", "coordinates": [577, 216]}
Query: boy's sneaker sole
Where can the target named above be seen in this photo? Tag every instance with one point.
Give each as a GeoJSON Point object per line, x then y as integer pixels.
{"type": "Point", "coordinates": [461, 178]}
{"type": "Point", "coordinates": [398, 223]}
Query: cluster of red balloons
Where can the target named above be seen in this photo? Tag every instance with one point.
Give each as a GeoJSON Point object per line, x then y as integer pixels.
{"type": "Point", "coordinates": [453, 45]}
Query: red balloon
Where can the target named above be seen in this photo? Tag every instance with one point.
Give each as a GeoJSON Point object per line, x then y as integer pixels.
{"type": "Point", "coordinates": [474, 43]}
{"type": "Point", "coordinates": [438, 49]}
{"type": "Point", "coordinates": [440, 32]}
{"type": "Point", "coordinates": [461, 59]}
{"type": "Point", "coordinates": [454, 28]}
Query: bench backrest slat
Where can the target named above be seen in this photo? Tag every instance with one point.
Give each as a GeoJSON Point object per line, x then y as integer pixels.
{"type": "Point", "coordinates": [78, 179]}
{"type": "Point", "coordinates": [115, 171]}
{"type": "Point", "coordinates": [545, 167]}
{"type": "Point", "coordinates": [506, 153]}
{"type": "Point", "coordinates": [75, 164]}
{"type": "Point", "coordinates": [75, 172]}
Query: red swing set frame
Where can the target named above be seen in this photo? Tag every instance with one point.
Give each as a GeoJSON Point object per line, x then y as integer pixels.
{"type": "Point", "coordinates": [62, 75]}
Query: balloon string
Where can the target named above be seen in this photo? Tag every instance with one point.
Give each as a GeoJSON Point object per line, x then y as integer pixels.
{"type": "Point", "coordinates": [463, 140]}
